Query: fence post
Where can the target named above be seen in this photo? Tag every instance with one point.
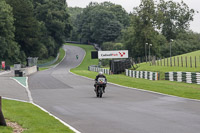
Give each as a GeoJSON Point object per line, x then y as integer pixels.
{"type": "Point", "coordinates": [195, 62]}
{"type": "Point", "coordinates": [167, 62]}
{"type": "Point", "coordinates": [2, 120]}
{"type": "Point", "coordinates": [160, 61]}
{"type": "Point", "coordinates": [178, 61]}
{"type": "Point", "coordinates": [182, 61]}
{"type": "Point", "coordinates": [186, 60]}
{"type": "Point", "coordinates": [174, 62]}
{"type": "Point", "coordinates": [164, 61]}
{"type": "Point", "coordinates": [171, 61]}
{"type": "Point", "coordinates": [190, 61]}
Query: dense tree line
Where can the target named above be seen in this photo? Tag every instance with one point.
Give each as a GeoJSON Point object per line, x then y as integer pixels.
{"type": "Point", "coordinates": [98, 23]}
{"type": "Point", "coordinates": [35, 28]}
{"type": "Point", "coordinates": [151, 22]}
{"type": "Point", "coordinates": [156, 24]}
{"type": "Point", "coordinates": [38, 28]}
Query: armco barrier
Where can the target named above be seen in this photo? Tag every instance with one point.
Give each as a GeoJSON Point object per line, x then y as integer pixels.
{"type": "Point", "coordinates": [49, 63]}
{"type": "Point", "coordinates": [188, 77]}
{"type": "Point", "coordinates": [29, 70]}
{"type": "Point", "coordinates": [143, 74]}
{"type": "Point", "coordinates": [97, 69]}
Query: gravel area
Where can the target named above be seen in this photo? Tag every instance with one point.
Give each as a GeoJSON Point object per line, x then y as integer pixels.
{"type": "Point", "coordinates": [16, 128]}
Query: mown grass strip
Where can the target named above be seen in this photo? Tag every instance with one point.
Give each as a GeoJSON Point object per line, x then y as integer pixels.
{"type": "Point", "coordinates": [166, 87]}
{"type": "Point", "coordinates": [31, 118]}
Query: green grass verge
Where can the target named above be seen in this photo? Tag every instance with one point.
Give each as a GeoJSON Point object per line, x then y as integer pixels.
{"type": "Point", "coordinates": [46, 60]}
{"type": "Point", "coordinates": [31, 118]}
{"type": "Point", "coordinates": [162, 69]}
{"type": "Point", "coordinates": [166, 87]}
{"type": "Point", "coordinates": [61, 56]}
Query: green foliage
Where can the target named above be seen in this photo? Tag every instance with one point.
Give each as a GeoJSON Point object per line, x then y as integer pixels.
{"type": "Point", "coordinates": [55, 16]}
{"type": "Point", "coordinates": [9, 49]}
{"type": "Point", "coordinates": [185, 42]}
{"type": "Point", "coordinates": [39, 28]}
{"type": "Point", "coordinates": [74, 18]}
{"type": "Point", "coordinates": [173, 18]}
{"type": "Point", "coordinates": [27, 32]}
{"type": "Point", "coordinates": [100, 23]}
{"type": "Point", "coordinates": [156, 24]}
{"type": "Point", "coordinates": [112, 46]}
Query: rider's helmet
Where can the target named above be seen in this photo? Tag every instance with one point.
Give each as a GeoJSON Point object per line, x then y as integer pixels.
{"type": "Point", "coordinates": [100, 73]}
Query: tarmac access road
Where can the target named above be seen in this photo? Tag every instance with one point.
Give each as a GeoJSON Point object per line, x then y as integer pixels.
{"type": "Point", "coordinates": [121, 110]}
{"type": "Point", "coordinates": [9, 88]}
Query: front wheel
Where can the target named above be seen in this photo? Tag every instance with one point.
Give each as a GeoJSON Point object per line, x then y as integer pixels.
{"type": "Point", "coordinates": [100, 92]}
{"type": "Point", "coordinates": [97, 94]}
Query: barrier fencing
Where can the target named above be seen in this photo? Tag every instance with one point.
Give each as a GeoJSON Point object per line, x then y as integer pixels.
{"type": "Point", "coordinates": [187, 77]}
{"type": "Point", "coordinates": [49, 63]}
{"type": "Point", "coordinates": [177, 61]}
{"type": "Point", "coordinates": [97, 69]}
{"type": "Point", "coordinates": [143, 74]}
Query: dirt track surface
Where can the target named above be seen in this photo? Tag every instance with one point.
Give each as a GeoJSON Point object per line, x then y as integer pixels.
{"type": "Point", "coordinates": [121, 110]}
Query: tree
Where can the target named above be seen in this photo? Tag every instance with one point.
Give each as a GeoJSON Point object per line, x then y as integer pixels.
{"type": "Point", "coordinates": [142, 30]}
{"type": "Point", "coordinates": [9, 49]}
{"type": "Point", "coordinates": [156, 25]}
{"type": "Point", "coordinates": [74, 18]}
{"type": "Point", "coordinates": [27, 31]}
{"type": "Point", "coordinates": [102, 22]}
{"type": "Point", "coordinates": [173, 18]}
{"type": "Point", "coordinates": [55, 16]}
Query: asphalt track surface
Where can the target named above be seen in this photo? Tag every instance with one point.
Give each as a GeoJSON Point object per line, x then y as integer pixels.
{"type": "Point", "coordinates": [121, 110]}
{"type": "Point", "coordinates": [10, 88]}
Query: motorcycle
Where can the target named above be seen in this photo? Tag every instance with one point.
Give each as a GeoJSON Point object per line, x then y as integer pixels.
{"type": "Point", "coordinates": [100, 84]}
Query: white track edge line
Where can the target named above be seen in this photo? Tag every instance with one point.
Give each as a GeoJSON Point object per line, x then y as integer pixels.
{"type": "Point", "coordinates": [70, 127]}
{"type": "Point", "coordinates": [26, 87]}
{"type": "Point", "coordinates": [16, 100]}
{"type": "Point", "coordinates": [31, 101]}
{"type": "Point", "coordinates": [5, 72]}
{"type": "Point", "coordinates": [64, 123]}
{"type": "Point", "coordinates": [140, 89]}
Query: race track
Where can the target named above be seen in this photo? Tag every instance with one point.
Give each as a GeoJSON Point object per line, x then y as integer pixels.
{"type": "Point", "coordinates": [121, 110]}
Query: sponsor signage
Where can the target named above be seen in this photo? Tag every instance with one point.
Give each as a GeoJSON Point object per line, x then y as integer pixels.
{"type": "Point", "coordinates": [3, 64]}
{"type": "Point", "coordinates": [113, 54]}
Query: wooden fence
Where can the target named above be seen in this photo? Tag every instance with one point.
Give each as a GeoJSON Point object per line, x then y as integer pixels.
{"type": "Point", "coordinates": [177, 61]}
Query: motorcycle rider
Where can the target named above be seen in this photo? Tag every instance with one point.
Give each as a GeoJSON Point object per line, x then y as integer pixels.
{"type": "Point", "coordinates": [100, 75]}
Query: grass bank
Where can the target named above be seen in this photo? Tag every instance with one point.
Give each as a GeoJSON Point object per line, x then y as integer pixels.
{"type": "Point", "coordinates": [31, 118]}
{"type": "Point", "coordinates": [61, 56]}
{"type": "Point", "coordinates": [166, 87]}
{"type": "Point", "coordinates": [174, 68]}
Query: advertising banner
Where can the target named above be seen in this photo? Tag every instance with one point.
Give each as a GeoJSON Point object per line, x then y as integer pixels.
{"type": "Point", "coordinates": [113, 54]}
{"type": "Point", "coordinates": [3, 64]}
